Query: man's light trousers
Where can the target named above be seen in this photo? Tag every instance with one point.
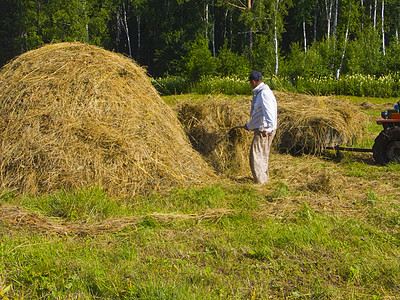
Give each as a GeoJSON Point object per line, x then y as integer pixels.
{"type": "Point", "coordinates": [259, 153]}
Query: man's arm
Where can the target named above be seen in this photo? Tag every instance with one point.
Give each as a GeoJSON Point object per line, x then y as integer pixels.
{"type": "Point", "coordinates": [269, 110]}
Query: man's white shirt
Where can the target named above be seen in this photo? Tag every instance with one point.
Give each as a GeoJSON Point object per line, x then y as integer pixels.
{"type": "Point", "coordinates": [264, 111]}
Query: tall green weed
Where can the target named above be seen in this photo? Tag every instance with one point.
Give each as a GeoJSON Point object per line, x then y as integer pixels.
{"type": "Point", "coordinates": [350, 85]}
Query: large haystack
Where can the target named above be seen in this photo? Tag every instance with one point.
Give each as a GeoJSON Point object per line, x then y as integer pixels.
{"type": "Point", "coordinates": [74, 115]}
{"type": "Point", "coordinates": [305, 125]}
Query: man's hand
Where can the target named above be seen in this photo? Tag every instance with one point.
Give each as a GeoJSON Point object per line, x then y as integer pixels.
{"type": "Point", "coordinates": [266, 133]}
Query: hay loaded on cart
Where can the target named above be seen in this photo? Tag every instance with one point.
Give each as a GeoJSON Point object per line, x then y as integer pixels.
{"type": "Point", "coordinates": [386, 146]}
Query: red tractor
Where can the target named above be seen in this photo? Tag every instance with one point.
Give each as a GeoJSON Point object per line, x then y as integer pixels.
{"type": "Point", "coordinates": [387, 144]}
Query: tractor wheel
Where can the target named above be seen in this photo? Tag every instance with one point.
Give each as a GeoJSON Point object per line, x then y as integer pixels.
{"type": "Point", "coordinates": [387, 146]}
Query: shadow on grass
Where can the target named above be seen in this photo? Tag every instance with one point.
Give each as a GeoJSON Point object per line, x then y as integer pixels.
{"type": "Point", "coordinates": [338, 156]}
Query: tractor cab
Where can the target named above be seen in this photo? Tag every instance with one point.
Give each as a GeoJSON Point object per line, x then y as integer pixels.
{"type": "Point", "coordinates": [387, 144]}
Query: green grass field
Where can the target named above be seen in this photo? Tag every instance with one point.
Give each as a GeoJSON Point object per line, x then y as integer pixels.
{"type": "Point", "coordinates": [325, 227]}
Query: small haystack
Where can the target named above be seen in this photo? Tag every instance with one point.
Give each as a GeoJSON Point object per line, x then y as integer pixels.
{"type": "Point", "coordinates": [305, 125]}
{"type": "Point", "coordinates": [211, 126]}
{"type": "Point", "coordinates": [75, 116]}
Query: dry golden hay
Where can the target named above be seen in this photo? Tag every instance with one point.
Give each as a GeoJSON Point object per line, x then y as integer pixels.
{"type": "Point", "coordinates": [309, 124]}
{"type": "Point", "coordinates": [15, 217]}
{"type": "Point", "coordinates": [75, 116]}
{"type": "Point", "coordinates": [211, 126]}
{"type": "Point", "coordinates": [305, 125]}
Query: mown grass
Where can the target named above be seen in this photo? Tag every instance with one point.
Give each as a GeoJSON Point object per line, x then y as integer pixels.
{"type": "Point", "coordinates": [324, 228]}
{"type": "Point", "coordinates": [243, 254]}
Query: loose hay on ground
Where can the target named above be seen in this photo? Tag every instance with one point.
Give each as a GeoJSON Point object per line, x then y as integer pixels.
{"type": "Point", "coordinates": [15, 217]}
{"type": "Point", "coordinates": [74, 115]}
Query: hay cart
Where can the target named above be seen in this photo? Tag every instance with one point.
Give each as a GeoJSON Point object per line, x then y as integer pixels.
{"type": "Point", "coordinates": [387, 144]}
{"type": "Point", "coordinates": [386, 147]}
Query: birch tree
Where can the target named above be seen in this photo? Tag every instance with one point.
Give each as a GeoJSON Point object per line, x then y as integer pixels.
{"type": "Point", "coordinates": [350, 15]}
{"type": "Point", "coordinates": [123, 20]}
{"type": "Point", "coordinates": [383, 28]}
{"type": "Point", "coordinates": [303, 17]}
{"type": "Point", "coordinates": [209, 20]}
{"type": "Point", "coordinates": [328, 12]}
{"type": "Point", "coordinates": [397, 20]}
{"type": "Point", "coordinates": [279, 9]}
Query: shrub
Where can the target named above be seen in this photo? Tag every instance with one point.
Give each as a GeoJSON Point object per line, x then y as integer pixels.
{"type": "Point", "coordinates": [393, 54]}
{"type": "Point", "coordinates": [306, 64]}
{"type": "Point", "coordinates": [263, 55]}
{"type": "Point", "coordinates": [365, 54]}
{"type": "Point", "coordinates": [199, 61]}
{"type": "Point", "coordinates": [232, 64]}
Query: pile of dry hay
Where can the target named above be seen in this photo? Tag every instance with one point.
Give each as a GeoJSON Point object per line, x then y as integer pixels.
{"type": "Point", "coordinates": [311, 124]}
{"type": "Point", "coordinates": [75, 116]}
{"type": "Point", "coordinates": [211, 126]}
{"type": "Point", "coordinates": [305, 125]}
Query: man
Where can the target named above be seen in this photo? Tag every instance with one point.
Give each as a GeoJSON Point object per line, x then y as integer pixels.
{"type": "Point", "coordinates": [263, 122]}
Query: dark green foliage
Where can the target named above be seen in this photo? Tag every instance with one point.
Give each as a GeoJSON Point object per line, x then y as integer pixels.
{"type": "Point", "coordinates": [231, 64]}
{"type": "Point", "coordinates": [199, 61]}
{"type": "Point", "coordinates": [393, 57]}
{"type": "Point", "coordinates": [194, 39]}
{"type": "Point", "coordinates": [263, 55]}
{"type": "Point", "coordinates": [309, 64]}
{"type": "Point", "coordinates": [365, 54]}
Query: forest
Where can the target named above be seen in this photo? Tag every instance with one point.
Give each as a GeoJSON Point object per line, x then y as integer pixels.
{"type": "Point", "coordinates": [193, 39]}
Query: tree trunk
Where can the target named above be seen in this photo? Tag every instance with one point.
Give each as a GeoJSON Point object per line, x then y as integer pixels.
{"type": "Point", "coordinates": [206, 20]}
{"type": "Point", "coordinates": [118, 29]}
{"type": "Point", "coordinates": [276, 38]}
{"type": "Point", "coordinates": [305, 36]}
{"type": "Point", "coordinates": [126, 28]}
{"type": "Point", "coordinates": [344, 51]}
{"type": "Point", "coordinates": [85, 16]}
{"type": "Point", "coordinates": [231, 32]}
{"type": "Point", "coordinates": [251, 29]}
{"type": "Point", "coordinates": [224, 35]}
{"type": "Point", "coordinates": [328, 9]}
{"type": "Point", "coordinates": [315, 20]}
{"type": "Point", "coordinates": [213, 28]}
{"type": "Point", "coordinates": [139, 34]}
{"type": "Point", "coordinates": [383, 28]}
{"type": "Point", "coordinates": [362, 19]}
{"type": "Point", "coordinates": [213, 38]}
{"type": "Point", "coordinates": [335, 21]}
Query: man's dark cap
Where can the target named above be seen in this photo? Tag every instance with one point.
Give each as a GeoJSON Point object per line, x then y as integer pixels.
{"type": "Point", "coordinates": [256, 76]}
